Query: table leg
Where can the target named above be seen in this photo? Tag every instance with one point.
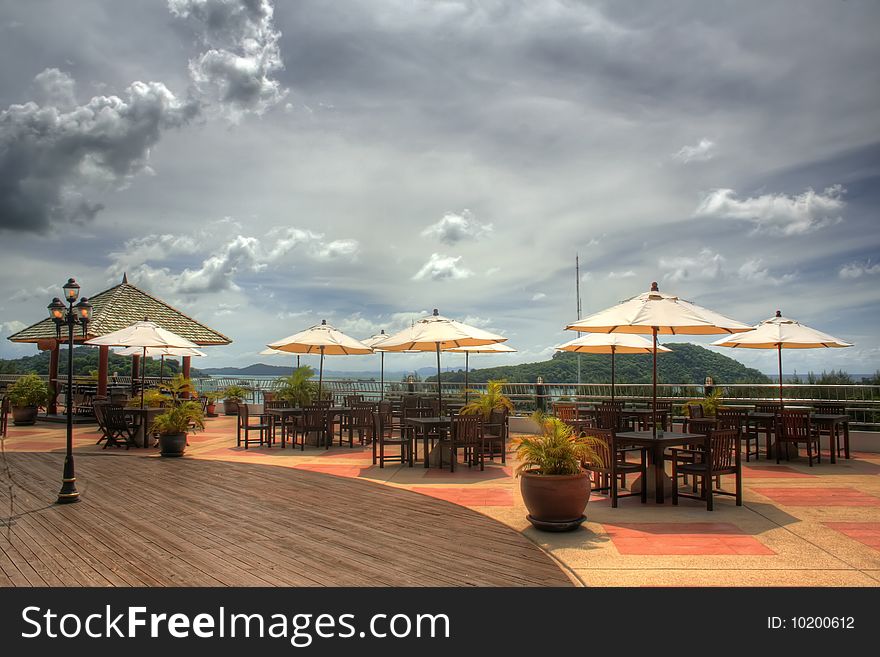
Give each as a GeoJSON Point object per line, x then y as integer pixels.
{"type": "Point", "coordinates": [832, 441]}
{"type": "Point", "coordinates": [425, 446]}
{"type": "Point", "coordinates": [846, 439]}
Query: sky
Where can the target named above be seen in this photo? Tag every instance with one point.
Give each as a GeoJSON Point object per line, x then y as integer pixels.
{"type": "Point", "coordinates": [265, 165]}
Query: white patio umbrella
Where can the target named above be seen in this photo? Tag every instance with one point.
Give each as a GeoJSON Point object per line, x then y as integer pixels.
{"type": "Point", "coordinates": [611, 343]}
{"type": "Point", "coordinates": [143, 334]}
{"type": "Point", "coordinates": [438, 333]}
{"type": "Point", "coordinates": [276, 352]}
{"type": "Point", "coordinates": [152, 352]}
{"type": "Point", "coordinates": [781, 333]}
{"type": "Point", "coordinates": [324, 339]}
{"type": "Point", "coordinates": [374, 342]}
{"type": "Point", "coordinates": [657, 313]}
{"type": "Point", "coordinates": [494, 348]}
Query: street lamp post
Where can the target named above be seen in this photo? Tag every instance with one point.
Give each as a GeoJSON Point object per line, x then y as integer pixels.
{"type": "Point", "coordinates": [70, 316]}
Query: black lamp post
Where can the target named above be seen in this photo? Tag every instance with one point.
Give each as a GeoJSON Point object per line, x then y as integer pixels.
{"type": "Point", "coordinates": [70, 316]}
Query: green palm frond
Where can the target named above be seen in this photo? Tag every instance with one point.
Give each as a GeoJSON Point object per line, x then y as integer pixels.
{"type": "Point", "coordinates": [493, 399]}
{"type": "Point", "coordinates": [558, 450]}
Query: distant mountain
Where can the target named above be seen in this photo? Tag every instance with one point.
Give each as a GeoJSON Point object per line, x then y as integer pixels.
{"type": "Point", "coordinates": [688, 363]}
{"type": "Point", "coordinates": [262, 369]}
{"type": "Point", "coordinates": [85, 359]}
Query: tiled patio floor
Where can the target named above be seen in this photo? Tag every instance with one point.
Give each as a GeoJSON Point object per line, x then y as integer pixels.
{"type": "Point", "coordinates": [799, 526]}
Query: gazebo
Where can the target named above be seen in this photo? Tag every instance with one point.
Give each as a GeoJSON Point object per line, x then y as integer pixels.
{"type": "Point", "coordinates": [114, 309]}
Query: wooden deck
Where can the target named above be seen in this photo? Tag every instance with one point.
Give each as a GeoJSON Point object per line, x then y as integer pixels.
{"type": "Point", "coordinates": [186, 522]}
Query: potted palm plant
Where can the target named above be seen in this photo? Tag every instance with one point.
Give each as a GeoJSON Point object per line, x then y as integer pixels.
{"type": "Point", "coordinates": [211, 407]}
{"type": "Point", "coordinates": [554, 486]}
{"type": "Point", "coordinates": [298, 389]}
{"type": "Point", "coordinates": [26, 395]}
{"type": "Point", "coordinates": [493, 399]}
{"type": "Point", "coordinates": [175, 423]}
{"type": "Point", "coordinates": [232, 396]}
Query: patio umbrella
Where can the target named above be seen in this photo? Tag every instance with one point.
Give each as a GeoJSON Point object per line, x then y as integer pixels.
{"type": "Point", "coordinates": [781, 333]}
{"type": "Point", "coordinates": [276, 352]}
{"type": "Point", "coordinates": [655, 313]}
{"type": "Point", "coordinates": [438, 333]}
{"type": "Point", "coordinates": [494, 348]}
{"type": "Point", "coordinates": [324, 339]}
{"type": "Point", "coordinates": [611, 343]}
{"type": "Point", "coordinates": [143, 334]}
{"type": "Point", "coordinates": [161, 352]}
{"type": "Point", "coordinates": [373, 342]}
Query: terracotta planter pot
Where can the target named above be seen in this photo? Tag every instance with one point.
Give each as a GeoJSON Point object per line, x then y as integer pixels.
{"type": "Point", "coordinates": [172, 445]}
{"type": "Point", "coordinates": [555, 502]}
{"type": "Point", "coordinates": [211, 410]}
{"type": "Point", "coordinates": [230, 407]}
{"type": "Point", "coordinates": [24, 415]}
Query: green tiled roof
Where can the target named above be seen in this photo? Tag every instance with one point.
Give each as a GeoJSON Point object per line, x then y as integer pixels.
{"type": "Point", "coordinates": [122, 306]}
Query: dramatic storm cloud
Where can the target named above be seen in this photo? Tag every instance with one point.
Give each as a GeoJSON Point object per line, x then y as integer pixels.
{"type": "Point", "coordinates": [265, 165]}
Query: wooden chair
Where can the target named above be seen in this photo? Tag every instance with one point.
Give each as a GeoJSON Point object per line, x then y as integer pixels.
{"type": "Point", "coordinates": [359, 419]}
{"type": "Point", "coordinates": [794, 426]}
{"type": "Point", "coordinates": [826, 429]}
{"type": "Point", "coordinates": [496, 433]}
{"type": "Point", "coordinates": [568, 413]}
{"type": "Point", "coordinates": [613, 466]}
{"type": "Point", "coordinates": [383, 436]}
{"type": "Point", "coordinates": [721, 456]}
{"type": "Point", "coordinates": [609, 415]}
{"type": "Point", "coordinates": [245, 427]}
{"type": "Point", "coordinates": [730, 418]}
{"type": "Point", "coordinates": [662, 417]}
{"type": "Point", "coordinates": [312, 420]}
{"type": "Point", "coordinates": [99, 407]}
{"type": "Point", "coordinates": [118, 429]}
{"type": "Point", "coordinates": [767, 427]}
{"type": "Point", "coordinates": [467, 433]}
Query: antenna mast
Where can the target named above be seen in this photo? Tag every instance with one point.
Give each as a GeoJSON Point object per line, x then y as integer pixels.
{"type": "Point", "coordinates": [577, 284]}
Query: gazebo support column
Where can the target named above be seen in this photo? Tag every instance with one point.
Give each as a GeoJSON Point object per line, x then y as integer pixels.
{"type": "Point", "coordinates": [52, 407]}
{"type": "Point", "coordinates": [135, 371]}
{"type": "Point", "coordinates": [103, 366]}
{"type": "Point", "coordinates": [185, 368]}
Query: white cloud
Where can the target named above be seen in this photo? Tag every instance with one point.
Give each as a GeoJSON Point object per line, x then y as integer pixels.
{"type": "Point", "coordinates": [778, 213]}
{"type": "Point", "coordinates": [12, 326]}
{"type": "Point", "coordinates": [858, 269]}
{"type": "Point", "coordinates": [706, 265]}
{"type": "Point", "coordinates": [754, 271]}
{"type": "Point", "coordinates": [702, 152]}
{"type": "Point", "coordinates": [453, 228]}
{"type": "Point", "coordinates": [139, 250]}
{"type": "Point", "coordinates": [243, 53]}
{"type": "Point", "coordinates": [629, 273]}
{"type": "Point", "coordinates": [492, 271]}
{"type": "Point", "coordinates": [441, 267]}
{"type": "Point", "coordinates": [538, 296]}
{"type": "Point", "coordinates": [336, 249]}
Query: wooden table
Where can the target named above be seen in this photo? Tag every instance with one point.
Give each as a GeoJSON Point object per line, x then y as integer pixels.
{"type": "Point", "coordinates": [767, 421]}
{"type": "Point", "coordinates": [425, 425]}
{"type": "Point", "coordinates": [658, 482]}
{"type": "Point", "coordinates": [295, 411]}
{"type": "Point", "coordinates": [144, 418]}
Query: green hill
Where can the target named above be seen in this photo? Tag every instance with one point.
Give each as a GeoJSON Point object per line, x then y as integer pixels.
{"type": "Point", "coordinates": [85, 359]}
{"type": "Point", "coordinates": [688, 363]}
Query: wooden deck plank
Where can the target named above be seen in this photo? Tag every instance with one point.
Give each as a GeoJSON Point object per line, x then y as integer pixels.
{"type": "Point", "coordinates": [187, 522]}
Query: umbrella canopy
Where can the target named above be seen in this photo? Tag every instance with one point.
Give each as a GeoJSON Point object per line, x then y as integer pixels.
{"type": "Point", "coordinates": [143, 334]}
{"type": "Point", "coordinates": [494, 348]}
{"type": "Point", "coordinates": [655, 313]}
{"type": "Point", "coordinates": [276, 352]}
{"type": "Point", "coordinates": [438, 333]}
{"type": "Point", "coordinates": [162, 351]}
{"type": "Point", "coordinates": [611, 343]}
{"type": "Point", "coordinates": [324, 339]}
{"type": "Point", "coordinates": [780, 333]}
{"type": "Point", "coordinates": [373, 342]}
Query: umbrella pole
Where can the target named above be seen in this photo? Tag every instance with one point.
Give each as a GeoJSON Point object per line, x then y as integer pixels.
{"type": "Point", "coordinates": [143, 378]}
{"type": "Point", "coordinates": [467, 367]}
{"type": "Point", "coordinates": [612, 374]}
{"type": "Point", "coordinates": [161, 369]}
{"type": "Point", "coordinates": [654, 386]}
{"type": "Point", "coordinates": [381, 375]}
{"type": "Point", "coordinates": [321, 374]}
{"type": "Point", "coordinates": [779, 352]}
{"type": "Point", "coordinates": [439, 387]}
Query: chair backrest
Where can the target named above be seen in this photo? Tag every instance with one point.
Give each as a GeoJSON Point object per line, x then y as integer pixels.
{"type": "Point", "coordinates": [409, 401]}
{"type": "Point", "coordinates": [567, 412]}
{"type": "Point", "coordinates": [115, 419]}
{"type": "Point", "coordinates": [361, 416]}
{"type": "Point", "coordinates": [695, 410]}
{"type": "Point", "coordinates": [276, 403]}
{"type": "Point", "coordinates": [604, 447]}
{"type": "Point", "coordinates": [350, 400]}
{"type": "Point", "coordinates": [419, 411]}
{"type": "Point", "coordinates": [244, 412]}
{"type": "Point", "coordinates": [433, 403]}
{"type": "Point", "coordinates": [767, 407]}
{"type": "Point", "coordinates": [609, 417]}
{"type": "Point", "coordinates": [467, 429]}
{"type": "Point", "coordinates": [722, 448]}
{"type": "Point", "coordinates": [99, 407]}
{"type": "Point", "coordinates": [385, 408]}
{"type": "Point", "coordinates": [664, 406]}
{"type": "Point", "coordinates": [313, 417]}
{"type": "Point", "coordinates": [831, 408]}
{"type": "Point", "coordinates": [794, 425]}
{"type": "Point", "coordinates": [499, 419]}
{"type": "Point", "coordinates": [729, 418]}
{"type": "Point", "coordinates": [323, 403]}
{"type": "Point", "coordinates": [268, 396]}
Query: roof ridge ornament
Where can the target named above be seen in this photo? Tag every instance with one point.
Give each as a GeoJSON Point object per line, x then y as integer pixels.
{"type": "Point", "coordinates": [124, 278]}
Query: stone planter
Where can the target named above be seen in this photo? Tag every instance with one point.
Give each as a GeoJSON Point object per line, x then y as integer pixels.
{"type": "Point", "coordinates": [24, 415]}
{"type": "Point", "coordinates": [555, 502]}
{"type": "Point", "coordinates": [173, 444]}
{"type": "Point", "coordinates": [230, 407]}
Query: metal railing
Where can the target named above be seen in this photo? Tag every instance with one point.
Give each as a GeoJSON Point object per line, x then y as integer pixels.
{"type": "Point", "coordinates": [862, 402]}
